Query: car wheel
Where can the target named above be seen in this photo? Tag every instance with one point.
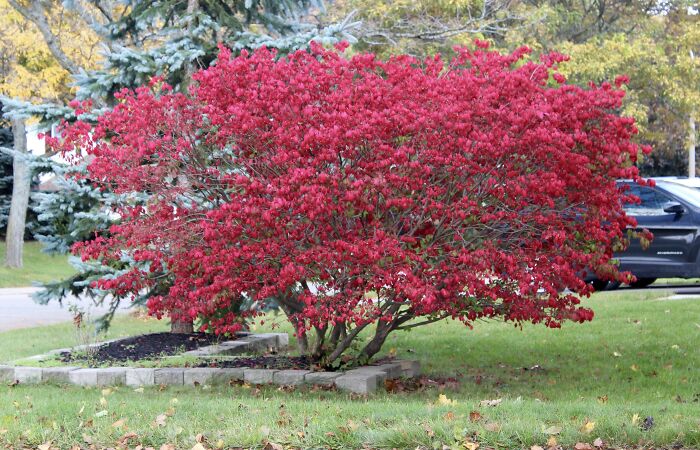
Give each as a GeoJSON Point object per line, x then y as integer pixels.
{"type": "Point", "coordinates": [599, 285]}
{"type": "Point", "coordinates": [613, 285]}
{"type": "Point", "coordinates": [642, 282]}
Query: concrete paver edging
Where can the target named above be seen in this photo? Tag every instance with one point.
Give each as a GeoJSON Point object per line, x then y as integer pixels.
{"type": "Point", "coordinates": [361, 380]}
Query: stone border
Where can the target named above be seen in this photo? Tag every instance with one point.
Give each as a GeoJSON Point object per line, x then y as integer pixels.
{"type": "Point", "coordinates": [246, 343]}
{"type": "Point", "coordinates": [362, 380]}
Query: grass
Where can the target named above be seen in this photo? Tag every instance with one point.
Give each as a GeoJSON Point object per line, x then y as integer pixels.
{"type": "Point", "coordinates": [638, 358]}
{"type": "Point", "coordinates": [38, 266]}
{"type": "Point", "coordinates": [27, 342]}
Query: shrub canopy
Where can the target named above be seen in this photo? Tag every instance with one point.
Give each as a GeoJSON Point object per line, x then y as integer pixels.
{"type": "Point", "coordinates": [358, 192]}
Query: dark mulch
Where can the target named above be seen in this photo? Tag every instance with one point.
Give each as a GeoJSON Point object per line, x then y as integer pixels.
{"type": "Point", "coordinates": [277, 362]}
{"type": "Point", "coordinates": [147, 346]}
{"type": "Point", "coordinates": [264, 362]}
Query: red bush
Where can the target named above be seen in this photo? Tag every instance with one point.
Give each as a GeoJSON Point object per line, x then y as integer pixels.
{"type": "Point", "coordinates": [478, 188]}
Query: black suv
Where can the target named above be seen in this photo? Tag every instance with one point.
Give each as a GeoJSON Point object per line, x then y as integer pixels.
{"type": "Point", "coordinates": [672, 213]}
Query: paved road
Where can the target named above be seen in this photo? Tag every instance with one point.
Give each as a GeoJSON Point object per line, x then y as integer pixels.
{"type": "Point", "coordinates": [679, 289]}
{"type": "Point", "coordinates": [18, 309]}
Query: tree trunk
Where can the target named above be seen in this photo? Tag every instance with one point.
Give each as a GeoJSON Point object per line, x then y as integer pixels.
{"type": "Point", "coordinates": [691, 147]}
{"type": "Point", "coordinates": [374, 345]}
{"type": "Point", "coordinates": [20, 198]}
{"type": "Point", "coordinates": [691, 141]}
{"type": "Point", "coordinates": [178, 325]}
{"type": "Point", "coordinates": [181, 326]}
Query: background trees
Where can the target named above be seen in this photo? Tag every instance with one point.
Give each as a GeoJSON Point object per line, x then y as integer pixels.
{"type": "Point", "coordinates": [649, 41]}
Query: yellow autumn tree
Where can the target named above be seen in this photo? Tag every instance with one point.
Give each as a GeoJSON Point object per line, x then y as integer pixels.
{"type": "Point", "coordinates": [28, 70]}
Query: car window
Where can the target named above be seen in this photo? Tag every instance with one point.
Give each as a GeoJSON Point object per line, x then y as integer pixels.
{"type": "Point", "coordinates": [685, 193]}
{"type": "Point", "coordinates": [652, 202]}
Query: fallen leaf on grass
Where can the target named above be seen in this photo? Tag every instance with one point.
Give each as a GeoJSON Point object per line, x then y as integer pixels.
{"type": "Point", "coordinates": [119, 423]}
{"type": "Point", "coordinates": [199, 446]}
{"type": "Point", "coordinates": [471, 445]}
{"type": "Point", "coordinates": [493, 427]}
{"type": "Point", "coordinates": [474, 416]}
{"type": "Point", "coordinates": [495, 402]}
{"type": "Point", "coordinates": [160, 420]}
{"type": "Point", "coordinates": [429, 431]}
{"type": "Point", "coordinates": [588, 427]}
{"type": "Point", "coordinates": [443, 400]}
{"type": "Point", "coordinates": [536, 447]}
{"type": "Point", "coordinates": [272, 446]}
{"type": "Point", "coordinates": [391, 385]}
{"type": "Point", "coordinates": [635, 419]}
{"type": "Point", "coordinates": [551, 430]}
{"type": "Point", "coordinates": [634, 368]}
{"type": "Point", "coordinates": [45, 446]}
{"type": "Point", "coordinates": [101, 413]}
{"type": "Point", "coordinates": [200, 438]}
{"type": "Point", "coordinates": [583, 446]}
{"type": "Point", "coordinates": [598, 443]}
{"type": "Point", "coordinates": [450, 416]}
{"type": "Point", "coordinates": [551, 442]}
{"type": "Point", "coordinates": [603, 399]}
{"type": "Point", "coordinates": [139, 390]}
{"type": "Point", "coordinates": [124, 439]}
{"type": "Point", "coordinates": [167, 447]}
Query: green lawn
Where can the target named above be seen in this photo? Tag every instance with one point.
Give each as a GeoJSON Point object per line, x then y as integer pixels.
{"type": "Point", "coordinates": [38, 266]}
{"type": "Point", "coordinates": [638, 358]}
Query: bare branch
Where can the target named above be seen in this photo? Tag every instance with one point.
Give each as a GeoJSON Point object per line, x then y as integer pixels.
{"type": "Point", "coordinates": [494, 18]}
{"type": "Point", "coordinates": [36, 14]}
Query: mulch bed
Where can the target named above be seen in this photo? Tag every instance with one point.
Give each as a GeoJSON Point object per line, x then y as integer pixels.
{"type": "Point", "coordinates": [147, 346]}
{"type": "Point", "coordinates": [264, 362]}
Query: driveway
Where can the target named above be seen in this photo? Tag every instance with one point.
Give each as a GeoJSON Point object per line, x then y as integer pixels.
{"type": "Point", "coordinates": [19, 310]}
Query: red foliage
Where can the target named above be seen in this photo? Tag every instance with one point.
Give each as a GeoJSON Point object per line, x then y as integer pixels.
{"type": "Point", "coordinates": [476, 188]}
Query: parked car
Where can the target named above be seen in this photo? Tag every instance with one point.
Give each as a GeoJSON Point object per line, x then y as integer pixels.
{"type": "Point", "coordinates": [683, 181]}
{"type": "Point", "coordinates": [671, 211]}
